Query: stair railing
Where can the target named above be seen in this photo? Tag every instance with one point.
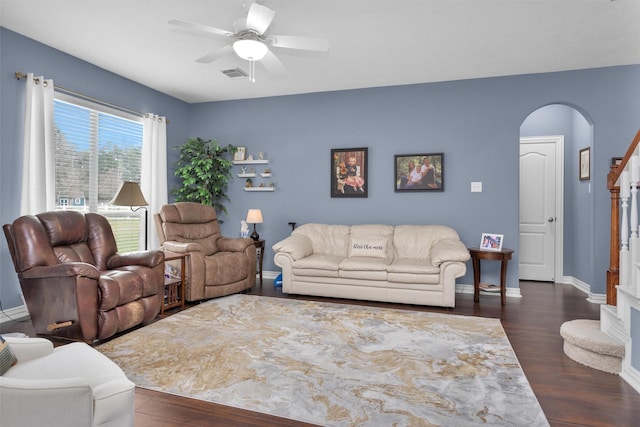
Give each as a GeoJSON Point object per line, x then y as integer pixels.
{"type": "Point", "coordinates": [623, 182]}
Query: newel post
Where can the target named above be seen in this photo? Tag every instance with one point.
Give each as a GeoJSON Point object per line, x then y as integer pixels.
{"type": "Point", "coordinates": [613, 274]}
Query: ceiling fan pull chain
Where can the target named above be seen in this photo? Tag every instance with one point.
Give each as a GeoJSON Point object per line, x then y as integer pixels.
{"type": "Point", "coordinates": [252, 71]}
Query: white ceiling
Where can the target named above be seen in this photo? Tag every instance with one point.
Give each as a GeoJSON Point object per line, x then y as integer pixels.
{"type": "Point", "coordinates": [373, 42]}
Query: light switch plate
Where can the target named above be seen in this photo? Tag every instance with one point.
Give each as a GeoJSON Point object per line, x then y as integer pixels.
{"type": "Point", "coordinates": [476, 187]}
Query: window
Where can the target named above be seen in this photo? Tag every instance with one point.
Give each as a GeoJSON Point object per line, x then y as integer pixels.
{"type": "Point", "coordinates": [96, 149]}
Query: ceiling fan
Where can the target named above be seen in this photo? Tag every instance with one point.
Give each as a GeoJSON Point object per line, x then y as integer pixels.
{"type": "Point", "coordinates": [250, 42]}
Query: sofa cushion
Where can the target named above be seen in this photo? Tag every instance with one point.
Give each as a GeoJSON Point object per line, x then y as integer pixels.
{"type": "Point", "coordinates": [412, 266]}
{"type": "Point", "coordinates": [364, 264]}
{"type": "Point", "coordinates": [365, 268]}
{"type": "Point", "coordinates": [368, 247]}
{"type": "Point", "coordinates": [415, 241]}
{"type": "Point", "coordinates": [420, 279]}
{"type": "Point", "coordinates": [326, 239]}
{"type": "Point", "coordinates": [317, 265]}
{"type": "Point", "coordinates": [380, 275]}
{"type": "Point", "coordinates": [413, 270]}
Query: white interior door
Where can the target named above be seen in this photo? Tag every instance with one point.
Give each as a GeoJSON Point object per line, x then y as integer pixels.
{"type": "Point", "coordinates": [540, 172]}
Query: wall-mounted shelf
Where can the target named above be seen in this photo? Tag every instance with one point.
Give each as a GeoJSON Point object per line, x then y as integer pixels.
{"type": "Point", "coordinates": [253, 174]}
{"type": "Point", "coordinates": [250, 162]}
{"type": "Point", "coordinates": [259, 188]}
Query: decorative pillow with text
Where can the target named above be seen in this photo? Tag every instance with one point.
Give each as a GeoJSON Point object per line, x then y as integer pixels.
{"type": "Point", "coordinates": [368, 247]}
{"type": "Point", "coordinates": [7, 358]}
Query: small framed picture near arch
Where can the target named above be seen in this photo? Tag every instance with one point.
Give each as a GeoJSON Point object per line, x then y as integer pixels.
{"type": "Point", "coordinates": [419, 172]}
{"type": "Point", "coordinates": [349, 172]}
{"type": "Point", "coordinates": [585, 164]}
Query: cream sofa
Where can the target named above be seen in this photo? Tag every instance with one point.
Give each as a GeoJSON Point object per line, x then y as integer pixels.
{"type": "Point", "coordinates": [412, 264]}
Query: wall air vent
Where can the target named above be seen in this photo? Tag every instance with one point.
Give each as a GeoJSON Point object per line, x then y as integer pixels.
{"type": "Point", "coordinates": [235, 72]}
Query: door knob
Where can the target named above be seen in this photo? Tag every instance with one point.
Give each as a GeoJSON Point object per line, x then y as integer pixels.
{"type": "Point", "coordinates": [550, 219]}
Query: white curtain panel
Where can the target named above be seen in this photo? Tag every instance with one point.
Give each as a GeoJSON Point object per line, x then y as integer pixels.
{"type": "Point", "coordinates": [38, 164]}
{"type": "Point", "coordinates": [153, 180]}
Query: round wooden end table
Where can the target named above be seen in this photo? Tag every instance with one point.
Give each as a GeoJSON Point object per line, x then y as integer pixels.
{"type": "Point", "coordinates": [503, 255]}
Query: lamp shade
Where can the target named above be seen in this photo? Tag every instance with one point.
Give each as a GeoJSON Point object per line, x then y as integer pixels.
{"type": "Point", "coordinates": [254, 216]}
{"type": "Point", "coordinates": [251, 50]}
{"type": "Point", "coordinates": [129, 195]}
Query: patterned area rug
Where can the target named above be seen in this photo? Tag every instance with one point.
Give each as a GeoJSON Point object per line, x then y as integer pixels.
{"type": "Point", "coordinates": [333, 364]}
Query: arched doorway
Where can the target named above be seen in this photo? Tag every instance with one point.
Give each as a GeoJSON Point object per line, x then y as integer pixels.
{"type": "Point", "coordinates": [568, 130]}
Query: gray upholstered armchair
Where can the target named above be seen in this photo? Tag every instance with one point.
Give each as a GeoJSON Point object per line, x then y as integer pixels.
{"type": "Point", "coordinates": [75, 283]}
{"type": "Point", "coordinates": [70, 385]}
{"type": "Point", "coordinates": [217, 265]}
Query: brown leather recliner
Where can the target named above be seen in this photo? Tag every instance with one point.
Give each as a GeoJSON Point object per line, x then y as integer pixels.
{"type": "Point", "coordinates": [217, 265]}
{"type": "Point", "coordinates": [74, 282]}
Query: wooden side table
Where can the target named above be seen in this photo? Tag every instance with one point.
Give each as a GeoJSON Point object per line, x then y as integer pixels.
{"type": "Point", "coordinates": [173, 286]}
{"type": "Point", "coordinates": [260, 256]}
{"type": "Point", "coordinates": [503, 256]}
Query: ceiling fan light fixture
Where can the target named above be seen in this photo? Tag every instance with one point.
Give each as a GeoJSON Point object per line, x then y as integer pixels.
{"type": "Point", "coordinates": [251, 50]}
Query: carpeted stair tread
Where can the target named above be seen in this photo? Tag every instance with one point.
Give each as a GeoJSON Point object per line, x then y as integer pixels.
{"type": "Point", "coordinates": [585, 343]}
{"type": "Point", "coordinates": [587, 334]}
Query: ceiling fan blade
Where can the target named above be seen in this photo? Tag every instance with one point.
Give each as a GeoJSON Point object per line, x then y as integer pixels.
{"type": "Point", "coordinates": [215, 55]}
{"type": "Point", "coordinates": [273, 65]}
{"type": "Point", "coordinates": [259, 17]}
{"type": "Point", "coordinates": [200, 27]}
{"type": "Point", "coordinates": [299, 42]}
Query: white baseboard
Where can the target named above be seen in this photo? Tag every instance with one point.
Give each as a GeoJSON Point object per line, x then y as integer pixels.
{"type": "Point", "coordinates": [631, 376]}
{"type": "Point", "coordinates": [270, 274]}
{"type": "Point", "coordinates": [14, 313]}
{"type": "Point", "coordinates": [585, 288]}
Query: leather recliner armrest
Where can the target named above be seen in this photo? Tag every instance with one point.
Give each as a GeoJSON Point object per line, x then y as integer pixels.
{"type": "Point", "coordinates": [230, 244]}
{"type": "Point", "coordinates": [69, 269]}
{"type": "Point", "coordinates": [147, 258]}
{"type": "Point", "coordinates": [182, 248]}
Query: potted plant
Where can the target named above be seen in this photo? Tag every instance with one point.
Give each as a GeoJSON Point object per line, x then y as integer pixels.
{"type": "Point", "coordinates": [205, 172]}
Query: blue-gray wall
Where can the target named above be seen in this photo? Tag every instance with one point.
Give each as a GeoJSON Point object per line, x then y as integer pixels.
{"type": "Point", "coordinates": [476, 123]}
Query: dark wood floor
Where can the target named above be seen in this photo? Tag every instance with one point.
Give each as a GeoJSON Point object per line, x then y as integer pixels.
{"type": "Point", "coordinates": [570, 394]}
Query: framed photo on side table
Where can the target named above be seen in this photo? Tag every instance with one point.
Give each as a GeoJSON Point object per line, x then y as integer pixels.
{"type": "Point", "coordinates": [585, 167]}
{"type": "Point", "coordinates": [349, 172]}
{"type": "Point", "coordinates": [491, 242]}
{"type": "Point", "coordinates": [419, 172]}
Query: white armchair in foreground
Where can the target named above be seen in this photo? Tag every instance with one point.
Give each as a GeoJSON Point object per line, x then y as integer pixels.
{"type": "Point", "coordinates": [71, 385]}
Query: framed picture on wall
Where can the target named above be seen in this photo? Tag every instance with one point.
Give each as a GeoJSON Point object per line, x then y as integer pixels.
{"type": "Point", "coordinates": [349, 172]}
{"type": "Point", "coordinates": [239, 154]}
{"type": "Point", "coordinates": [585, 167]}
{"type": "Point", "coordinates": [419, 172]}
{"type": "Point", "coordinates": [491, 242]}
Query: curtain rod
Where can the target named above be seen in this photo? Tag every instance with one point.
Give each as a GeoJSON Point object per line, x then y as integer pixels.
{"type": "Point", "coordinates": [19, 75]}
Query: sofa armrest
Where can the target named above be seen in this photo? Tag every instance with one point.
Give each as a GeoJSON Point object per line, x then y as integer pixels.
{"type": "Point", "coordinates": [232, 244]}
{"type": "Point", "coordinates": [69, 269]}
{"type": "Point", "coordinates": [182, 248]}
{"type": "Point", "coordinates": [296, 246]}
{"type": "Point", "coordinates": [449, 250]}
{"type": "Point", "coordinates": [146, 258]}
{"type": "Point", "coordinates": [26, 349]}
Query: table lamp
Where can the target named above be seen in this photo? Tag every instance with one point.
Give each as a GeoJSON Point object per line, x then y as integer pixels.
{"type": "Point", "coordinates": [254, 216]}
{"type": "Point", "coordinates": [131, 195]}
